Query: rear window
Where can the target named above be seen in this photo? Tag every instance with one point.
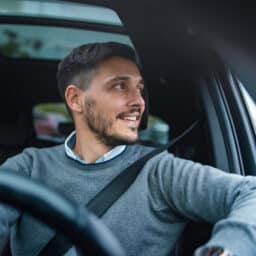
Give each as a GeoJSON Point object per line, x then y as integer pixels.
{"type": "Point", "coordinates": [59, 10]}
{"type": "Point", "coordinates": [44, 42]}
{"type": "Point", "coordinates": [53, 123]}
{"type": "Point", "coordinates": [39, 41]}
{"type": "Point", "coordinates": [48, 117]}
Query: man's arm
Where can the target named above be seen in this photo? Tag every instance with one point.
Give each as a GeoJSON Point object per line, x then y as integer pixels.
{"type": "Point", "coordinates": [203, 193]}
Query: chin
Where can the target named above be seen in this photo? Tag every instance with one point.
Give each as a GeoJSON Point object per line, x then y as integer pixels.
{"type": "Point", "coordinates": [131, 140]}
{"type": "Point", "coordinates": [119, 139]}
{"type": "Point", "coordinates": [127, 139]}
{"type": "Point", "coordinates": [130, 136]}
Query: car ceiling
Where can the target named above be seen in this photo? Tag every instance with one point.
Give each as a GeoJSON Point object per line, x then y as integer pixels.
{"type": "Point", "coordinates": [231, 21]}
{"type": "Point", "coordinates": [171, 34]}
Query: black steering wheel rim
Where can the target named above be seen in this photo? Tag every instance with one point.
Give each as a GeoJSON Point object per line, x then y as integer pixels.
{"type": "Point", "coordinates": [84, 229]}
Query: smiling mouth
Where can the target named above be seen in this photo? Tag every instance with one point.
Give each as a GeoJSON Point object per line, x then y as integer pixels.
{"type": "Point", "coordinates": [132, 118]}
{"type": "Point", "coordinates": [133, 115]}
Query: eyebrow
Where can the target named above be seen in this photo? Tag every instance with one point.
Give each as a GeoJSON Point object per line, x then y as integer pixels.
{"type": "Point", "coordinates": [125, 78]}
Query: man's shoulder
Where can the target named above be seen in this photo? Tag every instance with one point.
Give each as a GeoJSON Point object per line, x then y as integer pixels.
{"type": "Point", "coordinates": [29, 157]}
{"type": "Point", "coordinates": [31, 154]}
{"type": "Point", "coordinates": [44, 151]}
{"type": "Point", "coordinates": [140, 150]}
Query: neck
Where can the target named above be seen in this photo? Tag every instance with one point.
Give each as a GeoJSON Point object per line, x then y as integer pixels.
{"type": "Point", "coordinates": [88, 147]}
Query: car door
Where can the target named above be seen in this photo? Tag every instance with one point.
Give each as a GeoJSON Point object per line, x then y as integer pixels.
{"type": "Point", "coordinates": [230, 123]}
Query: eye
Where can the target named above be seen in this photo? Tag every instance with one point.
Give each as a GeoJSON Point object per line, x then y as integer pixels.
{"type": "Point", "coordinates": [119, 86]}
{"type": "Point", "coordinates": [141, 88]}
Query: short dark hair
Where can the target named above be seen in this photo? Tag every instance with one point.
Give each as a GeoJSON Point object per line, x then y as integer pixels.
{"type": "Point", "coordinates": [80, 65]}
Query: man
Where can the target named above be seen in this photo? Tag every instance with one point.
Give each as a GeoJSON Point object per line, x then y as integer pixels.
{"type": "Point", "coordinates": [103, 89]}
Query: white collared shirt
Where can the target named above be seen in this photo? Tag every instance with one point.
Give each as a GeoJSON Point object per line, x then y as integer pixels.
{"type": "Point", "coordinates": [70, 143]}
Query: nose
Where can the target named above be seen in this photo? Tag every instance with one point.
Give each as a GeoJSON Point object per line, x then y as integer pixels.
{"type": "Point", "coordinates": [136, 99]}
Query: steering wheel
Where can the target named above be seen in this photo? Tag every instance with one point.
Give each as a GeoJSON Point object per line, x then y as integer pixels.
{"type": "Point", "coordinates": [83, 228]}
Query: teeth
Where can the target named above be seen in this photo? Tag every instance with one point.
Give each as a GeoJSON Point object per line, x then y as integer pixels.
{"type": "Point", "coordinates": [130, 118]}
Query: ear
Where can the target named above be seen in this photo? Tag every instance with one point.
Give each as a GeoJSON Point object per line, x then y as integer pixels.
{"type": "Point", "coordinates": [73, 98]}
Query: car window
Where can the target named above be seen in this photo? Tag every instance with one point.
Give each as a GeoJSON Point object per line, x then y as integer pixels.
{"type": "Point", "coordinates": [48, 119]}
{"type": "Point", "coordinates": [63, 10]}
{"type": "Point", "coordinates": [250, 105]}
{"type": "Point", "coordinates": [157, 131]}
{"type": "Point", "coordinates": [38, 41]}
{"type": "Point", "coordinates": [41, 42]}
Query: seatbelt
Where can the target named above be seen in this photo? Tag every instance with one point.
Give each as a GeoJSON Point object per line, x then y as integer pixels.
{"type": "Point", "coordinates": [59, 244]}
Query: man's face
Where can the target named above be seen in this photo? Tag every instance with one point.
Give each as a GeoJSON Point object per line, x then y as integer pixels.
{"type": "Point", "coordinates": [113, 102]}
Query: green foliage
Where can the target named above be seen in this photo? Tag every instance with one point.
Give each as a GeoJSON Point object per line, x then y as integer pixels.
{"type": "Point", "coordinates": [12, 48]}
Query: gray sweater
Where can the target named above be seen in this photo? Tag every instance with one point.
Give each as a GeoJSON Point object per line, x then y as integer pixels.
{"type": "Point", "coordinates": [150, 216]}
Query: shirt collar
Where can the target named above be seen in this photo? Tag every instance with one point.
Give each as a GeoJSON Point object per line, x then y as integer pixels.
{"type": "Point", "coordinates": [70, 143]}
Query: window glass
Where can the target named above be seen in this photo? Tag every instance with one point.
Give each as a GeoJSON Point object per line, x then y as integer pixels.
{"type": "Point", "coordinates": [48, 117]}
{"type": "Point", "coordinates": [250, 104]}
{"type": "Point", "coordinates": [53, 123]}
{"type": "Point", "coordinates": [59, 10]}
{"type": "Point", "coordinates": [44, 42]}
{"type": "Point", "coordinates": [157, 131]}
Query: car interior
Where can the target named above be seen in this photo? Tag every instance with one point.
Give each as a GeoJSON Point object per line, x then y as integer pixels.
{"type": "Point", "coordinates": [184, 76]}
{"type": "Point", "coordinates": [27, 83]}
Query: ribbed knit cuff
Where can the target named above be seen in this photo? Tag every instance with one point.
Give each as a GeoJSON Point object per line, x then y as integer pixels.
{"type": "Point", "coordinates": [213, 251]}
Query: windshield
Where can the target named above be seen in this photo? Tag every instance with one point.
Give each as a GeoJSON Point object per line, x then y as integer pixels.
{"type": "Point", "coordinates": [49, 42]}
{"type": "Point", "coordinates": [57, 10]}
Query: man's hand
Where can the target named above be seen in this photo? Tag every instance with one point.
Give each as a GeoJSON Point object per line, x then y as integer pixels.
{"type": "Point", "coordinates": [215, 251]}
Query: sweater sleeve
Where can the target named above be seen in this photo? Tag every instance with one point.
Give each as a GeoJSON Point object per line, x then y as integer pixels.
{"type": "Point", "coordinates": [8, 214]}
{"type": "Point", "coordinates": [204, 193]}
